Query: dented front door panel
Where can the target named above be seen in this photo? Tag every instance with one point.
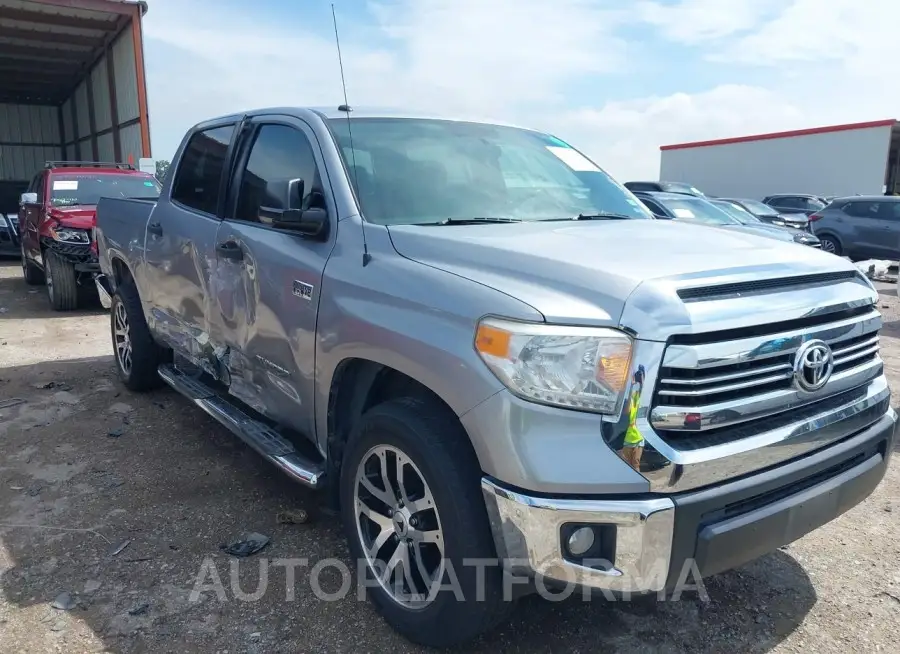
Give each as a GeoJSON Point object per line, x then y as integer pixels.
{"type": "Point", "coordinates": [268, 303]}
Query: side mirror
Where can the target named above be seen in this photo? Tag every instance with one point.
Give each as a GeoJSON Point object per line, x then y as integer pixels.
{"type": "Point", "coordinates": [311, 222]}
{"type": "Point", "coordinates": [28, 198]}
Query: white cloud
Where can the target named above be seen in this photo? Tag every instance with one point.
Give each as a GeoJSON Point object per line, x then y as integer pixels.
{"type": "Point", "coordinates": [697, 21]}
{"type": "Point", "coordinates": [775, 64]}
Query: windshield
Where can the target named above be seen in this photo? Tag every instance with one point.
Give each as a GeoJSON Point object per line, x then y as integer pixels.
{"type": "Point", "coordinates": [759, 208]}
{"type": "Point", "coordinates": [87, 189]}
{"type": "Point", "coordinates": [697, 210]}
{"type": "Point", "coordinates": [418, 171]}
{"type": "Point", "coordinates": [737, 212]}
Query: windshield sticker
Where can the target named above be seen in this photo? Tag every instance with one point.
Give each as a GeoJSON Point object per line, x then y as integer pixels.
{"type": "Point", "coordinates": [683, 213]}
{"type": "Point", "coordinates": [150, 184]}
{"type": "Point", "coordinates": [573, 159]}
{"type": "Point", "coordinates": [65, 185]}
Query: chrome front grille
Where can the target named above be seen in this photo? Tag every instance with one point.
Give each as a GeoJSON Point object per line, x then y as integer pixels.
{"type": "Point", "coordinates": [736, 382]}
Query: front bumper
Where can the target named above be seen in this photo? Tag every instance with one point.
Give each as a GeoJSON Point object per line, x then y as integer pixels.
{"type": "Point", "coordinates": [80, 255]}
{"type": "Point", "coordinates": [658, 542]}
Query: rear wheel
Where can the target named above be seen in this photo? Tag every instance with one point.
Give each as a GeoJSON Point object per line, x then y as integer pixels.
{"type": "Point", "coordinates": [62, 282]}
{"type": "Point", "coordinates": [830, 244]}
{"type": "Point", "coordinates": [138, 356]}
{"type": "Point", "coordinates": [33, 275]}
{"type": "Point", "coordinates": [414, 514]}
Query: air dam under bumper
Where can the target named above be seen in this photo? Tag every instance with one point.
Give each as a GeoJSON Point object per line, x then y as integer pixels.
{"type": "Point", "coordinates": [659, 542]}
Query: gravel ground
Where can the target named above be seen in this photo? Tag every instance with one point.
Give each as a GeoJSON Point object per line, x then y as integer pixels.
{"type": "Point", "coordinates": [87, 467]}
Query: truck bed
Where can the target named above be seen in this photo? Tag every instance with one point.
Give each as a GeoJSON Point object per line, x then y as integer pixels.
{"type": "Point", "coordinates": [121, 220]}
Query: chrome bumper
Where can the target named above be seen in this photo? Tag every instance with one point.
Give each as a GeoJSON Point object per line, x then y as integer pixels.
{"type": "Point", "coordinates": [527, 536]}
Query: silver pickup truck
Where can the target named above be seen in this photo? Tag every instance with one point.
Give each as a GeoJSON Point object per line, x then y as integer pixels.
{"type": "Point", "coordinates": [492, 360]}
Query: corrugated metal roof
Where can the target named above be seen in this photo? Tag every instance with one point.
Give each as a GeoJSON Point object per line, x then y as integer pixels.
{"type": "Point", "coordinates": [48, 46]}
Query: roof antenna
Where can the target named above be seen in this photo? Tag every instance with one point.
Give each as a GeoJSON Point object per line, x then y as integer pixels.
{"type": "Point", "coordinates": [346, 108]}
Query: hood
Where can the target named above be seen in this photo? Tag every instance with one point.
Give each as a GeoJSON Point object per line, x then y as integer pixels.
{"type": "Point", "coordinates": [584, 272]}
{"type": "Point", "coordinates": [77, 217]}
{"type": "Point", "coordinates": [772, 231]}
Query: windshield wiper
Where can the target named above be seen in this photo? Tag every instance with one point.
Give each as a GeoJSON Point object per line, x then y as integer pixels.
{"type": "Point", "coordinates": [474, 220]}
{"type": "Point", "coordinates": [602, 215]}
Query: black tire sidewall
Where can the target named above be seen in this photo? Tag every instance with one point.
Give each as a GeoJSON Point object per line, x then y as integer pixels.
{"type": "Point", "coordinates": [65, 284]}
{"type": "Point", "coordinates": [833, 241]}
{"type": "Point", "coordinates": [146, 354]}
{"type": "Point", "coordinates": [464, 523]}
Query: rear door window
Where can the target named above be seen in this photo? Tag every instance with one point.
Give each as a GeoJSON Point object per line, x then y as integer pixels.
{"type": "Point", "coordinates": [198, 180]}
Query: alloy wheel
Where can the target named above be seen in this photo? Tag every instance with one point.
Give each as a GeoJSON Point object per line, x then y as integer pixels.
{"type": "Point", "coordinates": [399, 527]}
{"type": "Point", "coordinates": [828, 245]}
{"type": "Point", "coordinates": [122, 338]}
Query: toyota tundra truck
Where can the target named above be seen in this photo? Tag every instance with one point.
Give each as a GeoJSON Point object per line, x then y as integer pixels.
{"type": "Point", "coordinates": [493, 362]}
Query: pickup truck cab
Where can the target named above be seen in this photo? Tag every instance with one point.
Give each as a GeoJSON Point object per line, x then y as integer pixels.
{"type": "Point", "coordinates": [492, 360]}
{"type": "Point", "coordinates": [56, 223]}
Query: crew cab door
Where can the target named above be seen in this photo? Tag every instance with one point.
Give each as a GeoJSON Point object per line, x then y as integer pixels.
{"type": "Point", "coordinates": [271, 277]}
{"type": "Point", "coordinates": [180, 247]}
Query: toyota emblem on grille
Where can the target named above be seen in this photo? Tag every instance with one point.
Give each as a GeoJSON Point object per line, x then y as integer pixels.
{"type": "Point", "coordinates": [813, 365]}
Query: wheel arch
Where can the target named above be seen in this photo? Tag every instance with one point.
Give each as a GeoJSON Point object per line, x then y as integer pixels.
{"type": "Point", "coordinates": [357, 385]}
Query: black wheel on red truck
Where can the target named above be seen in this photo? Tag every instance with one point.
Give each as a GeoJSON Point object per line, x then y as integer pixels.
{"type": "Point", "coordinates": [138, 355]}
{"type": "Point", "coordinates": [62, 282]}
{"type": "Point", "coordinates": [33, 275]}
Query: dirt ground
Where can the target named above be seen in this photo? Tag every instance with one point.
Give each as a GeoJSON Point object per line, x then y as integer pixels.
{"type": "Point", "coordinates": [88, 467]}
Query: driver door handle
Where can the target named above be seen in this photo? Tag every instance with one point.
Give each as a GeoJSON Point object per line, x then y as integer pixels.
{"type": "Point", "coordinates": [230, 250]}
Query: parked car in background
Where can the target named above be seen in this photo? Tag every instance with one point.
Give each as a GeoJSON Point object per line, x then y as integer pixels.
{"type": "Point", "coordinates": [57, 218]}
{"type": "Point", "coordinates": [796, 203]}
{"type": "Point", "coordinates": [746, 218]}
{"type": "Point", "coordinates": [860, 227]}
{"type": "Point", "coordinates": [769, 214]}
{"type": "Point", "coordinates": [675, 206]}
{"type": "Point", "coordinates": [664, 187]}
{"type": "Point", "coordinates": [9, 241]}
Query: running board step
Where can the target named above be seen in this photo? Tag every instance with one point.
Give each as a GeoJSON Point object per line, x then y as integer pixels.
{"type": "Point", "coordinates": [258, 435]}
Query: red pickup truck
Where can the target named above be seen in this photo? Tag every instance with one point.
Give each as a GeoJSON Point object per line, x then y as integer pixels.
{"type": "Point", "coordinates": [57, 215]}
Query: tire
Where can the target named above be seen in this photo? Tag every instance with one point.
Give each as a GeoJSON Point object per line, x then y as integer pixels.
{"type": "Point", "coordinates": [436, 448]}
{"type": "Point", "coordinates": [130, 333]}
{"type": "Point", "coordinates": [830, 244]}
{"type": "Point", "coordinates": [32, 274]}
{"type": "Point", "coordinates": [61, 282]}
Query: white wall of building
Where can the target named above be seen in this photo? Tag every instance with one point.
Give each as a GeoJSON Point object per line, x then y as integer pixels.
{"type": "Point", "coordinates": [829, 163]}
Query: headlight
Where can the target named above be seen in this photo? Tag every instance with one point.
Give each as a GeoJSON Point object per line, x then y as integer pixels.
{"type": "Point", "coordinates": [583, 368]}
{"type": "Point", "coordinates": [780, 223]}
{"type": "Point", "coordinates": [70, 235]}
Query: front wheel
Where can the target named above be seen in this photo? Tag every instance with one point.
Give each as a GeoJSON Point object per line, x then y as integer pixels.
{"type": "Point", "coordinates": [415, 518]}
{"type": "Point", "coordinates": [62, 282]}
{"type": "Point", "coordinates": [137, 355]}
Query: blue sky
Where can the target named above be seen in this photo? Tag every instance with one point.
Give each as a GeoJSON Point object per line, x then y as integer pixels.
{"type": "Point", "coordinates": [616, 78]}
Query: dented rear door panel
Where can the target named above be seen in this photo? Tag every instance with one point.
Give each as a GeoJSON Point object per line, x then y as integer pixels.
{"type": "Point", "coordinates": [181, 271]}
